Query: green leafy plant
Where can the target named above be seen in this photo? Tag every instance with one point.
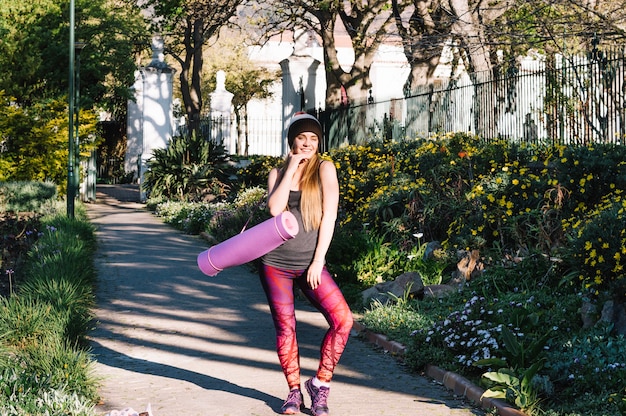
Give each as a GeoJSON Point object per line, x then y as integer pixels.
{"type": "Point", "coordinates": [430, 267]}
{"type": "Point", "coordinates": [380, 262]}
{"type": "Point", "coordinates": [188, 169]}
{"type": "Point", "coordinates": [596, 247]}
{"type": "Point", "coordinates": [24, 196]}
{"type": "Point", "coordinates": [44, 366]}
{"type": "Point", "coordinates": [513, 379]}
{"type": "Point", "coordinates": [576, 361]}
{"type": "Point", "coordinates": [516, 354]}
{"type": "Point", "coordinates": [515, 389]}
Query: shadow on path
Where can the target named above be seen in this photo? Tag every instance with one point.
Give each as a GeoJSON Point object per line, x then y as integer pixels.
{"type": "Point", "coordinates": [190, 344]}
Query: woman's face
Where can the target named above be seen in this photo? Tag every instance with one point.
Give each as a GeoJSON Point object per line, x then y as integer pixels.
{"type": "Point", "coordinates": [305, 142]}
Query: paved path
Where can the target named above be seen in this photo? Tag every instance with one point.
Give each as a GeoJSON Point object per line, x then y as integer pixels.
{"type": "Point", "coordinates": [187, 344]}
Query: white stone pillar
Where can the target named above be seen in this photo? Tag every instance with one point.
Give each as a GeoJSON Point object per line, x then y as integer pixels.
{"type": "Point", "coordinates": [150, 117]}
{"type": "Point", "coordinates": [304, 81]}
{"type": "Point", "coordinates": [222, 120]}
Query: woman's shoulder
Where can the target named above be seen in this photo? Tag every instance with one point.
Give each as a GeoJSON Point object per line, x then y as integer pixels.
{"type": "Point", "coordinates": [326, 165]}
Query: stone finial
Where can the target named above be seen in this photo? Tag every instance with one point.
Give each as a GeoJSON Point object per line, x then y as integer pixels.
{"type": "Point", "coordinates": [221, 100]}
{"type": "Point", "coordinates": [158, 54]}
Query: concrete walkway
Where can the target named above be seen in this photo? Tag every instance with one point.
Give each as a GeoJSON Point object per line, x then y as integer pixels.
{"type": "Point", "coordinates": [188, 344]}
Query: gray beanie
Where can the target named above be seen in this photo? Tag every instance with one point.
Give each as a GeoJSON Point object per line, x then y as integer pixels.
{"type": "Point", "coordinates": [302, 122]}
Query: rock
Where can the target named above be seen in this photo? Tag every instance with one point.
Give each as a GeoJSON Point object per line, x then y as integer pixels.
{"type": "Point", "coordinates": [386, 291]}
{"type": "Point", "coordinates": [614, 313]}
{"type": "Point", "coordinates": [470, 265]}
{"type": "Point", "coordinates": [620, 319]}
{"type": "Point", "coordinates": [588, 312]}
{"type": "Point", "coordinates": [431, 247]}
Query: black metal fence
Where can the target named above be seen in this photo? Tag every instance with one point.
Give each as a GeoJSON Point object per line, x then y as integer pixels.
{"type": "Point", "coordinates": [575, 100]}
{"type": "Point", "coordinates": [566, 100]}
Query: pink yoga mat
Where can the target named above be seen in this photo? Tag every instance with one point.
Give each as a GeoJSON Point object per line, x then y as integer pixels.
{"type": "Point", "coordinates": [249, 245]}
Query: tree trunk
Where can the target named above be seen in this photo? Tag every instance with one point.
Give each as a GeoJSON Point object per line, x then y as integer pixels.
{"type": "Point", "coordinates": [423, 38]}
{"type": "Point", "coordinates": [333, 84]}
{"type": "Point", "coordinates": [196, 72]}
{"type": "Point", "coordinates": [469, 30]}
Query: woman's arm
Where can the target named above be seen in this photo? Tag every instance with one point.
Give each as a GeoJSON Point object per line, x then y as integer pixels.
{"type": "Point", "coordinates": [275, 198]}
{"type": "Point", "coordinates": [330, 203]}
{"type": "Point", "coordinates": [279, 184]}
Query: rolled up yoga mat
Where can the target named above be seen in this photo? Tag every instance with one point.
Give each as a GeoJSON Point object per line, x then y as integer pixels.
{"type": "Point", "coordinates": [249, 245]}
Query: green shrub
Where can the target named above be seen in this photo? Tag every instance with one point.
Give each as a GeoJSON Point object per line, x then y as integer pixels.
{"type": "Point", "coordinates": [26, 392]}
{"type": "Point", "coordinates": [349, 242]}
{"type": "Point", "coordinates": [230, 219]}
{"type": "Point", "coordinates": [25, 322]}
{"type": "Point", "coordinates": [72, 301]}
{"type": "Point", "coordinates": [60, 255]}
{"type": "Point", "coordinates": [190, 169]}
{"type": "Point", "coordinates": [63, 366]}
{"type": "Point", "coordinates": [256, 172]}
{"type": "Point", "coordinates": [590, 173]}
{"type": "Point", "coordinates": [588, 364]}
{"type": "Point", "coordinates": [43, 367]}
{"type": "Point", "coordinates": [25, 196]}
{"type": "Point", "coordinates": [597, 247]}
{"type": "Point", "coordinates": [189, 217]}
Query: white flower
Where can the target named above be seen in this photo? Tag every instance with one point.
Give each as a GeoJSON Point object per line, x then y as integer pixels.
{"type": "Point", "coordinates": [486, 353]}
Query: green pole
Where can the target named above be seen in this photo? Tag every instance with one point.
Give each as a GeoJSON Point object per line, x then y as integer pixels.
{"type": "Point", "coordinates": [78, 47]}
{"type": "Point", "coordinates": [71, 187]}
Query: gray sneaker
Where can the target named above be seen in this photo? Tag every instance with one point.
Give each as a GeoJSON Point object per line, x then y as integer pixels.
{"type": "Point", "coordinates": [319, 397]}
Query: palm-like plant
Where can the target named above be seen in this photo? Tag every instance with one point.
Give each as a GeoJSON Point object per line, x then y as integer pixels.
{"type": "Point", "coordinates": [189, 169]}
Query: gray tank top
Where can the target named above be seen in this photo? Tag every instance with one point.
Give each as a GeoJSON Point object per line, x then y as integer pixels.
{"type": "Point", "coordinates": [296, 253]}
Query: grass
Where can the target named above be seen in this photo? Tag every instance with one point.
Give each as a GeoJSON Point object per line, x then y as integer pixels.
{"type": "Point", "coordinates": [45, 364]}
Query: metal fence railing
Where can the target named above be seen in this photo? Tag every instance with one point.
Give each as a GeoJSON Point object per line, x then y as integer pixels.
{"type": "Point", "coordinates": [567, 100]}
{"type": "Point", "coordinates": [578, 100]}
{"type": "Point", "coordinates": [252, 136]}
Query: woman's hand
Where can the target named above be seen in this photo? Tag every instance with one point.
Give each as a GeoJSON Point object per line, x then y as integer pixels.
{"type": "Point", "coordinates": [295, 159]}
{"type": "Point", "coordinates": [314, 274]}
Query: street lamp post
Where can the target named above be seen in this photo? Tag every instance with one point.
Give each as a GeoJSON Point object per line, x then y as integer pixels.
{"type": "Point", "coordinates": [73, 156]}
{"type": "Point", "coordinates": [71, 188]}
{"type": "Point", "coordinates": [78, 47]}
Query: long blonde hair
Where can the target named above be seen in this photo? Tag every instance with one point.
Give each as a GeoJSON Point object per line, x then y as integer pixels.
{"type": "Point", "coordinates": [311, 200]}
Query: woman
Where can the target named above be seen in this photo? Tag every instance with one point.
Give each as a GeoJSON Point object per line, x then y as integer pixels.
{"type": "Point", "coordinates": [308, 187]}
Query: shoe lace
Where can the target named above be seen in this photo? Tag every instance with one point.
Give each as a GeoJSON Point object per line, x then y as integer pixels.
{"type": "Point", "coordinates": [293, 397]}
{"type": "Point", "coordinates": [321, 398]}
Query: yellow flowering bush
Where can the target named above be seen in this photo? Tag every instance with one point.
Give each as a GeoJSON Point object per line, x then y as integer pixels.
{"type": "Point", "coordinates": [597, 246]}
{"type": "Point", "coordinates": [474, 195]}
{"type": "Point", "coordinates": [419, 180]}
{"type": "Point", "coordinates": [591, 172]}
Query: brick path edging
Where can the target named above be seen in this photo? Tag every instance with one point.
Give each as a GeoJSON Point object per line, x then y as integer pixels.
{"type": "Point", "coordinates": [455, 382]}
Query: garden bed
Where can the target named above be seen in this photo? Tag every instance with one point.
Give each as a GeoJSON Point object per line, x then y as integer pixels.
{"type": "Point", "coordinates": [18, 233]}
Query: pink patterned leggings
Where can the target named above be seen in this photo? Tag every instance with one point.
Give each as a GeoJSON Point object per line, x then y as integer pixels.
{"type": "Point", "coordinates": [327, 298]}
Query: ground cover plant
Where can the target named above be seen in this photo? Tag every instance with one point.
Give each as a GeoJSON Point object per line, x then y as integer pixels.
{"type": "Point", "coordinates": [45, 311]}
{"type": "Point", "coordinates": [549, 224]}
